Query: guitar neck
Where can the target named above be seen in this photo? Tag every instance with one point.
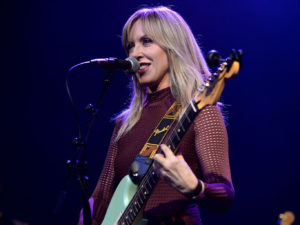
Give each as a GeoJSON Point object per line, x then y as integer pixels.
{"type": "Point", "coordinates": [150, 179]}
{"type": "Point", "coordinates": [182, 126]}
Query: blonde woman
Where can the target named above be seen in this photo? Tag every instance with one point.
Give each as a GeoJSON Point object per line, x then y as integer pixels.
{"type": "Point", "coordinates": [172, 67]}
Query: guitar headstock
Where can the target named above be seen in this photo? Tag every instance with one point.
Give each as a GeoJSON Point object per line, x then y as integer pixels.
{"type": "Point", "coordinates": [212, 89]}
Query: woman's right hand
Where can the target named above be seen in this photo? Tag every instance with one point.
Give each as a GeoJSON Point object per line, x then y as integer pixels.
{"type": "Point", "coordinates": [91, 201]}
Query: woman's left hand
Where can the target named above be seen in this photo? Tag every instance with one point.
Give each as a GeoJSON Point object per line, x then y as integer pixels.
{"type": "Point", "coordinates": [175, 171]}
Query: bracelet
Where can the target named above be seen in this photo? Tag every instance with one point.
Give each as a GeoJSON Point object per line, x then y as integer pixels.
{"type": "Point", "coordinates": [202, 187]}
{"type": "Point", "coordinates": [199, 191]}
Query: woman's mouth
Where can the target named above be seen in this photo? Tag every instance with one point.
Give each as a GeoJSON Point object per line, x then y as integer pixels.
{"type": "Point", "coordinates": [143, 68]}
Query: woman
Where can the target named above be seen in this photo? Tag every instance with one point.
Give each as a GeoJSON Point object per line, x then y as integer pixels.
{"type": "Point", "coordinates": [171, 69]}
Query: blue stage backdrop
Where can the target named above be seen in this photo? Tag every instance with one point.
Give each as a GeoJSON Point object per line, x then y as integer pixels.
{"type": "Point", "coordinates": [42, 39]}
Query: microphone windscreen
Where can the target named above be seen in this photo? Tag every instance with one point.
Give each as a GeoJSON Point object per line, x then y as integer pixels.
{"type": "Point", "coordinates": [134, 65]}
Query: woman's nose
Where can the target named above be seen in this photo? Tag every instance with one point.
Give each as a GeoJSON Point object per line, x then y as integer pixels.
{"type": "Point", "coordinates": [136, 52]}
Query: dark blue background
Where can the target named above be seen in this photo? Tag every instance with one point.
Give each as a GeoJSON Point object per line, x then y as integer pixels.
{"type": "Point", "coordinates": [40, 40]}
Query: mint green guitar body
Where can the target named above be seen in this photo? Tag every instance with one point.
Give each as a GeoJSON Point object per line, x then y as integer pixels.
{"type": "Point", "coordinates": [120, 200]}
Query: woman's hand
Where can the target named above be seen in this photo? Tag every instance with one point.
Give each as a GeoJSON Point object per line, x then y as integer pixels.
{"type": "Point", "coordinates": [175, 171]}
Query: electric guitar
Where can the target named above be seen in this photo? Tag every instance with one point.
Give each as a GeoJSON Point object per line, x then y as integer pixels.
{"type": "Point", "coordinates": [127, 204]}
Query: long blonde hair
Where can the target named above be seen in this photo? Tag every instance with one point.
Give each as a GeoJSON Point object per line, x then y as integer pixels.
{"type": "Point", "coordinates": [187, 66]}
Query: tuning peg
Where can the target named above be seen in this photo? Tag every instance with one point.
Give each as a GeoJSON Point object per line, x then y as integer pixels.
{"type": "Point", "coordinates": [240, 56]}
{"type": "Point", "coordinates": [201, 89]}
{"type": "Point", "coordinates": [236, 55]}
{"type": "Point", "coordinates": [220, 70]}
{"type": "Point", "coordinates": [210, 78]}
{"type": "Point", "coordinates": [233, 54]}
{"type": "Point", "coordinates": [215, 74]}
{"type": "Point", "coordinates": [213, 58]}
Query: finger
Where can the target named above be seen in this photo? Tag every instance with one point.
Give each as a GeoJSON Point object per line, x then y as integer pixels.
{"type": "Point", "coordinates": [167, 151]}
{"type": "Point", "coordinates": [179, 152]}
{"type": "Point", "coordinates": [157, 168]}
{"type": "Point", "coordinates": [159, 159]}
{"type": "Point", "coordinates": [180, 157]}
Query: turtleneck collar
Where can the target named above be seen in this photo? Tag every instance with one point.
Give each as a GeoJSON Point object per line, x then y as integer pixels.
{"type": "Point", "coordinates": [159, 95]}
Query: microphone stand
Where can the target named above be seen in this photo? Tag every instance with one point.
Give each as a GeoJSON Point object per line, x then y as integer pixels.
{"type": "Point", "coordinates": [77, 167]}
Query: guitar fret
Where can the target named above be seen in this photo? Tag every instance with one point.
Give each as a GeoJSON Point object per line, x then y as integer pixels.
{"type": "Point", "coordinates": [180, 127]}
{"type": "Point", "coordinates": [175, 141]}
{"type": "Point", "coordinates": [152, 172]}
{"type": "Point", "coordinates": [177, 135]}
{"type": "Point", "coordinates": [145, 190]}
{"type": "Point", "coordinates": [144, 194]}
{"type": "Point", "coordinates": [131, 217]}
{"type": "Point", "coordinates": [140, 199]}
{"type": "Point", "coordinates": [186, 123]}
{"type": "Point", "coordinates": [148, 182]}
{"type": "Point", "coordinates": [137, 204]}
{"type": "Point", "coordinates": [187, 117]}
{"type": "Point", "coordinates": [153, 179]}
{"type": "Point", "coordinates": [172, 146]}
{"type": "Point", "coordinates": [148, 186]}
{"type": "Point", "coordinates": [132, 212]}
{"type": "Point", "coordinates": [128, 220]}
{"type": "Point", "coordinates": [124, 222]}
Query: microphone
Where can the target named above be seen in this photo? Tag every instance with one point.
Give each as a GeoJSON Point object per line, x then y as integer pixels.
{"type": "Point", "coordinates": [130, 65]}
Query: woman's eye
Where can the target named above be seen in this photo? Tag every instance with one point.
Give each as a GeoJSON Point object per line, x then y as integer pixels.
{"type": "Point", "coordinates": [147, 41]}
{"type": "Point", "coordinates": [129, 46]}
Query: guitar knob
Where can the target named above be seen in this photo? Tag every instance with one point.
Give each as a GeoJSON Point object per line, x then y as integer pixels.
{"type": "Point", "coordinates": [134, 169]}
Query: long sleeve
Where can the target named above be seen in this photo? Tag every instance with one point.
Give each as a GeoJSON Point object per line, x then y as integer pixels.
{"type": "Point", "coordinates": [106, 183]}
{"type": "Point", "coordinates": [211, 143]}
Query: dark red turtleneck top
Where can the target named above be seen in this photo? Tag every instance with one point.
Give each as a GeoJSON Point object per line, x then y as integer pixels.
{"type": "Point", "coordinates": [204, 147]}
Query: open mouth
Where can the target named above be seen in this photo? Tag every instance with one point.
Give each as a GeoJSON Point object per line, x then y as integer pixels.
{"type": "Point", "coordinates": [143, 68]}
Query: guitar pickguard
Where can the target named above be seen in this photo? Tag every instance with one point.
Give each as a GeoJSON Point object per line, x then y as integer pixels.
{"type": "Point", "coordinates": [120, 200]}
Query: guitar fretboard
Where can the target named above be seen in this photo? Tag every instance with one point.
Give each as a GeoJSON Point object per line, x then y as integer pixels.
{"type": "Point", "coordinates": [182, 126]}
{"type": "Point", "coordinates": [150, 179]}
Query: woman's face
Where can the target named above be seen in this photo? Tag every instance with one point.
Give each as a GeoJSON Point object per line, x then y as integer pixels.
{"type": "Point", "coordinates": [154, 66]}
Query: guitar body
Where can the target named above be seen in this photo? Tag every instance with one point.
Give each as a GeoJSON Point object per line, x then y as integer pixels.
{"type": "Point", "coordinates": [120, 200]}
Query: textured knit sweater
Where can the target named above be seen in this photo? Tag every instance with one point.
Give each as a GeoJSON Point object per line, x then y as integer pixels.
{"type": "Point", "coordinates": [204, 147]}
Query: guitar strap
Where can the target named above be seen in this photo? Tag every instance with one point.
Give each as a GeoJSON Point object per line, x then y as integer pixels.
{"type": "Point", "coordinates": [157, 136]}
{"type": "Point", "coordinates": [143, 160]}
